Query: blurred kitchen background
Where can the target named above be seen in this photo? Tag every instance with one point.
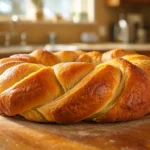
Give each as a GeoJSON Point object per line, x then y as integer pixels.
{"type": "Point", "coordinates": [80, 24]}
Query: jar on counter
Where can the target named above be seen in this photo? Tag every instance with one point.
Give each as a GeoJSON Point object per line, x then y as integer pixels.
{"type": "Point", "coordinates": [141, 35]}
{"type": "Point", "coordinates": [123, 34]}
{"type": "Point", "coordinates": [53, 39]}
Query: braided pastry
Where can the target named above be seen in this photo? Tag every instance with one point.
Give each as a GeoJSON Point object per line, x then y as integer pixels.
{"type": "Point", "coordinates": [67, 87]}
{"type": "Point", "coordinates": [49, 59]}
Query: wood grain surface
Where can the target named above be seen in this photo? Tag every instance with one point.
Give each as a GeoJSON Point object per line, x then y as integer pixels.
{"type": "Point", "coordinates": [17, 134]}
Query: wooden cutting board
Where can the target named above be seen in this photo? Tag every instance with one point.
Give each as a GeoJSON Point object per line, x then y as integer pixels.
{"type": "Point", "coordinates": [16, 134]}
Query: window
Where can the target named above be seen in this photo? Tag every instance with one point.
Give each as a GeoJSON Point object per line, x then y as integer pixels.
{"type": "Point", "coordinates": [76, 10]}
{"type": "Point", "coordinates": [9, 7]}
{"type": "Point", "coordinates": [64, 7]}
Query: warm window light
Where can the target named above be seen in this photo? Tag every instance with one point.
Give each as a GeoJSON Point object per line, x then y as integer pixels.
{"type": "Point", "coordinates": [122, 23]}
{"type": "Point", "coordinates": [68, 10]}
{"type": "Point", "coordinates": [4, 7]}
{"type": "Point", "coordinates": [77, 6]}
{"type": "Point", "coordinates": [84, 7]}
{"type": "Point", "coordinates": [15, 18]}
{"type": "Point", "coordinates": [114, 2]}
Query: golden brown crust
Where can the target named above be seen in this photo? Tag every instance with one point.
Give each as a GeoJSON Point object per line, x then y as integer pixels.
{"type": "Point", "coordinates": [140, 61]}
{"type": "Point", "coordinates": [7, 65]}
{"type": "Point", "coordinates": [85, 98]}
{"type": "Point", "coordinates": [91, 57]}
{"type": "Point", "coordinates": [115, 53]}
{"type": "Point", "coordinates": [34, 90]}
{"type": "Point", "coordinates": [96, 57]}
{"type": "Point", "coordinates": [136, 57]}
{"type": "Point", "coordinates": [134, 99]}
{"type": "Point", "coordinates": [69, 74]}
{"type": "Point", "coordinates": [66, 56]}
{"type": "Point", "coordinates": [46, 58]}
{"type": "Point", "coordinates": [17, 73]}
{"type": "Point", "coordinates": [21, 58]}
{"type": "Point", "coordinates": [117, 90]}
{"type": "Point", "coordinates": [84, 58]}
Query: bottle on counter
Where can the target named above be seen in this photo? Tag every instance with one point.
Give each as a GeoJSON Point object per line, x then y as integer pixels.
{"type": "Point", "coordinates": [53, 39]}
{"type": "Point", "coordinates": [121, 30]}
{"type": "Point", "coordinates": [112, 32]}
{"type": "Point", "coordinates": [141, 34]}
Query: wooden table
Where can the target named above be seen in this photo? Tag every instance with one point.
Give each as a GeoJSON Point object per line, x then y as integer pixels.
{"type": "Point", "coordinates": [17, 134]}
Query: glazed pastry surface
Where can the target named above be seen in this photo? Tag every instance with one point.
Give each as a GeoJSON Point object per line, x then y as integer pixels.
{"type": "Point", "coordinates": [70, 86]}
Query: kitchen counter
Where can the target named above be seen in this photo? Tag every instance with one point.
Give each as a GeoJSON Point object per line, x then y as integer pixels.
{"type": "Point", "coordinates": [108, 46]}
{"type": "Point", "coordinates": [6, 51]}
{"type": "Point", "coordinates": [17, 134]}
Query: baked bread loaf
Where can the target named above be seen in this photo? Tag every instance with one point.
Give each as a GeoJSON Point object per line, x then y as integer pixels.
{"type": "Point", "coordinates": [70, 86]}
{"type": "Point", "coordinates": [49, 59]}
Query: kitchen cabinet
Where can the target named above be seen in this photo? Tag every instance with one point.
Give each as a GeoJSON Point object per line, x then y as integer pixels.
{"type": "Point", "coordinates": [129, 2]}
